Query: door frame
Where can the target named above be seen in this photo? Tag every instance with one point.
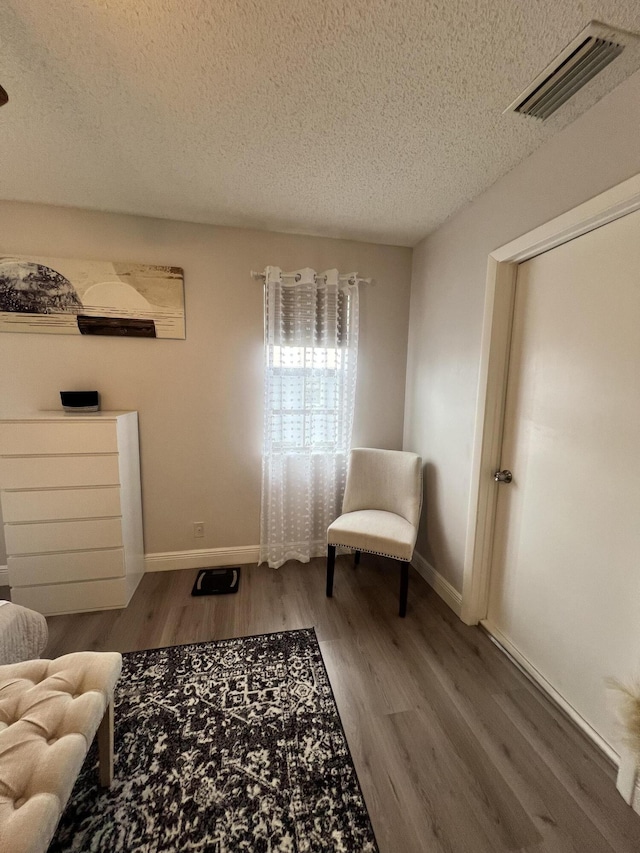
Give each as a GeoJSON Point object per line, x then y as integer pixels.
{"type": "Point", "coordinates": [502, 267]}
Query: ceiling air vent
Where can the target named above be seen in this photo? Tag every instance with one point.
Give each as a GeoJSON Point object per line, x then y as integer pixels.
{"type": "Point", "coordinates": [587, 55]}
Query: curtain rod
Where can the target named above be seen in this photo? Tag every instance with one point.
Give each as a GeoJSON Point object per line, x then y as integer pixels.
{"type": "Point", "coordinates": [350, 278]}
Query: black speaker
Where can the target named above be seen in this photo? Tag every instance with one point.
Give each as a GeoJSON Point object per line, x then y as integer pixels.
{"type": "Point", "coordinates": [80, 401]}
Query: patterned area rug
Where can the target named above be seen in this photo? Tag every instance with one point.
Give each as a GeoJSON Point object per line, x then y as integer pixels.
{"type": "Point", "coordinates": [222, 747]}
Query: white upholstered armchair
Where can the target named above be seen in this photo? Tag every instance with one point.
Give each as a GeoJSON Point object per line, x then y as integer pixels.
{"type": "Point", "coordinates": [380, 511]}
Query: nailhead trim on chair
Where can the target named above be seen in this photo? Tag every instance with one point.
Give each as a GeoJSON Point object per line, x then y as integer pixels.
{"type": "Point", "coordinates": [366, 551]}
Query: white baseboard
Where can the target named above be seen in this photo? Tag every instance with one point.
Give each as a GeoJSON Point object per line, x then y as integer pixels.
{"type": "Point", "coordinates": [628, 781]}
{"type": "Point", "coordinates": [197, 559]}
{"type": "Point", "coordinates": [529, 669]}
{"type": "Point", "coordinates": [448, 593]}
{"type": "Point", "coordinates": [630, 786]}
{"type": "Point", "coordinates": [200, 559]}
{"type": "Point", "coordinates": [635, 802]}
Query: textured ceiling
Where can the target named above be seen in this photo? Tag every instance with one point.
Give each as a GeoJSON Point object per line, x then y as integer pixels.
{"type": "Point", "coordinates": [368, 119]}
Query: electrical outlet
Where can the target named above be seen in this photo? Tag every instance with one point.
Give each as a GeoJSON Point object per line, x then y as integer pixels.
{"type": "Point", "coordinates": [198, 529]}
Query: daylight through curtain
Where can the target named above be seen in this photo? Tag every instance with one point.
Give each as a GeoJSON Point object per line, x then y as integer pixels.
{"type": "Point", "coordinates": [311, 350]}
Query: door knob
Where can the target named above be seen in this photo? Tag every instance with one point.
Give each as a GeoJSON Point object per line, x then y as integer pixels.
{"type": "Point", "coordinates": [503, 476]}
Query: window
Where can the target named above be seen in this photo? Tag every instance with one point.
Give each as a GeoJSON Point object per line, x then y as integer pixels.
{"type": "Point", "coordinates": [311, 332]}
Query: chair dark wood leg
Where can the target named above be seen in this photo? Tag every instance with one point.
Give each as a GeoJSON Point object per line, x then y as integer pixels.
{"type": "Point", "coordinates": [331, 562]}
{"type": "Point", "coordinates": [356, 558]}
{"type": "Point", "coordinates": [404, 587]}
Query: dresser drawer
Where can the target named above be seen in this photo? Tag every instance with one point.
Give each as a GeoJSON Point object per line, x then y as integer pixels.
{"type": "Point", "coordinates": [60, 504]}
{"type": "Point", "coordinates": [51, 599]}
{"type": "Point", "coordinates": [63, 536]}
{"type": "Point", "coordinates": [34, 437]}
{"type": "Point", "coordinates": [34, 472]}
{"type": "Point", "coordinates": [70, 566]}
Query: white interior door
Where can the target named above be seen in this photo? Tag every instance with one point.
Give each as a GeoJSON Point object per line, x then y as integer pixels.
{"type": "Point", "coordinates": [565, 577]}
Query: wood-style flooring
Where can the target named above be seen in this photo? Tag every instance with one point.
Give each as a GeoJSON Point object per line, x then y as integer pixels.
{"type": "Point", "coordinates": [455, 750]}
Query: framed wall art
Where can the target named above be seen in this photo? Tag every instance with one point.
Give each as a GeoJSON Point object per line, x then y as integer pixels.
{"type": "Point", "coordinates": [73, 297]}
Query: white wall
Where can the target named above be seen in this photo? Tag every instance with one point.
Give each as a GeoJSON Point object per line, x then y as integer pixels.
{"type": "Point", "coordinates": [200, 400]}
{"type": "Point", "coordinates": [596, 152]}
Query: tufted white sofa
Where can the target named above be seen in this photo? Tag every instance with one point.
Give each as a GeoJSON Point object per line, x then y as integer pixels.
{"type": "Point", "coordinates": [50, 711]}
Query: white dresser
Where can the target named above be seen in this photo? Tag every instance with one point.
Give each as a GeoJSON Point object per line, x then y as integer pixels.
{"type": "Point", "coordinates": [70, 493]}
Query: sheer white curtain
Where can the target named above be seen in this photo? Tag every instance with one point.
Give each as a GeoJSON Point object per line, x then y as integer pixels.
{"type": "Point", "coordinates": [311, 351]}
